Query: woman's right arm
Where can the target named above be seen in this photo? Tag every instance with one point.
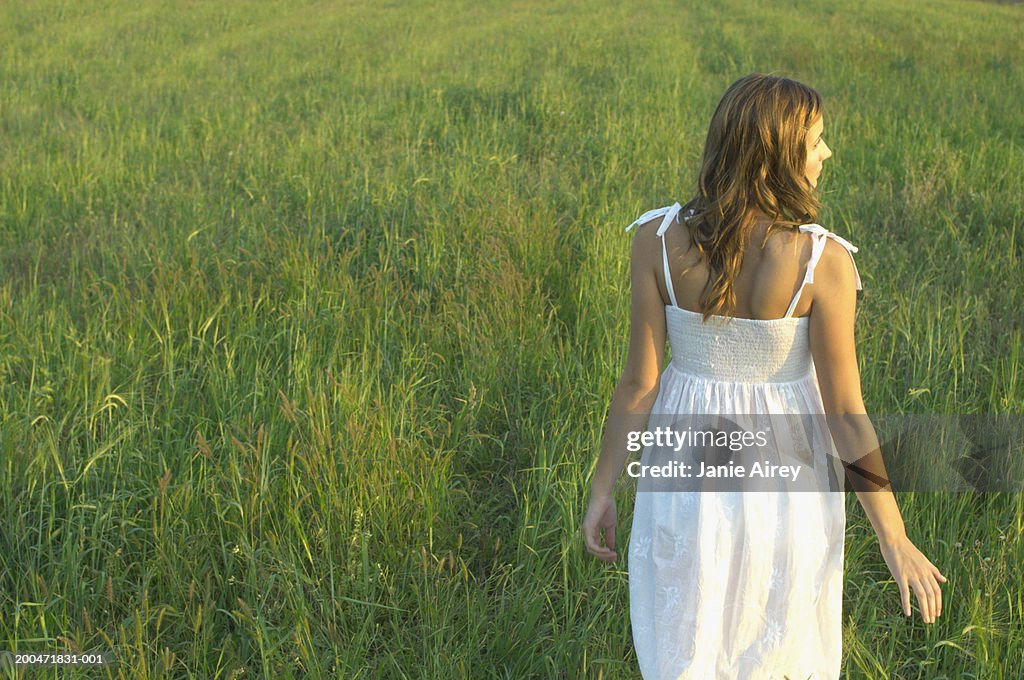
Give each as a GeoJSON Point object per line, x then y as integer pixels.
{"type": "Point", "coordinates": [833, 309]}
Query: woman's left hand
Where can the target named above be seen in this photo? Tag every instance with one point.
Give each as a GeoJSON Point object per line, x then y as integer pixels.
{"type": "Point", "coordinates": [600, 515]}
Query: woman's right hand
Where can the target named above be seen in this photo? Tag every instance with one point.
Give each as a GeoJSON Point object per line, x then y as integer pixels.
{"type": "Point", "coordinates": [600, 515]}
{"type": "Point", "coordinates": [911, 569]}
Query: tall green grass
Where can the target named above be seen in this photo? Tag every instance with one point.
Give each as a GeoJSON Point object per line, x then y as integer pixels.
{"type": "Point", "coordinates": [310, 317]}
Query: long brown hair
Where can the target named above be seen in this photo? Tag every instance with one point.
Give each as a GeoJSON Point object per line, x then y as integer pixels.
{"type": "Point", "coordinates": [754, 157]}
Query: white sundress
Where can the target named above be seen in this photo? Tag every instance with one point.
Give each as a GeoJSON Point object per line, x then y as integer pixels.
{"type": "Point", "coordinates": [739, 585]}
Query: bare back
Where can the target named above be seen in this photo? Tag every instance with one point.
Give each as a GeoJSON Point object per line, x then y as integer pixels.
{"type": "Point", "coordinates": [775, 283]}
{"type": "Point", "coordinates": [768, 280]}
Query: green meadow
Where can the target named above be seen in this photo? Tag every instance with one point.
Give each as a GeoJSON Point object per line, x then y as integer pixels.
{"type": "Point", "coordinates": [311, 313]}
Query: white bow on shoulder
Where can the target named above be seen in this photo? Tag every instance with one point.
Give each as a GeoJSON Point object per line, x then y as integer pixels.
{"type": "Point", "coordinates": [670, 213]}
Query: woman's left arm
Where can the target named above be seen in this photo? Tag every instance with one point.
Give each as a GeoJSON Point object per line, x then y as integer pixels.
{"type": "Point", "coordinates": [635, 393]}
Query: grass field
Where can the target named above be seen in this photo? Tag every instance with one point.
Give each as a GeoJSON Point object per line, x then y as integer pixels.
{"type": "Point", "coordinates": [310, 316]}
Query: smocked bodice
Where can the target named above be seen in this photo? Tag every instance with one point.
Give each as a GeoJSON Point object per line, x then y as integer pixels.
{"type": "Point", "coordinates": [739, 350]}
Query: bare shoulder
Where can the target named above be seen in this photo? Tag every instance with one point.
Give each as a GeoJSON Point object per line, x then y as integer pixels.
{"type": "Point", "coordinates": [836, 267]}
{"type": "Point", "coordinates": [645, 239]}
{"type": "Point", "coordinates": [647, 243]}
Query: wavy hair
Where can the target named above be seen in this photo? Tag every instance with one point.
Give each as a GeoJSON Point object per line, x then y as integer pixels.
{"type": "Point", "coordinates": [754, 158]}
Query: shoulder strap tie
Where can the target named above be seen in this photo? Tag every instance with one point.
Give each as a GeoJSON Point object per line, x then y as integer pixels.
{"type": "Point", "coordinates": [820, 234]}
{"type": "Point", "coordinates": [669, 212]}
{"type": "Point", "coordinates": [819, 248]}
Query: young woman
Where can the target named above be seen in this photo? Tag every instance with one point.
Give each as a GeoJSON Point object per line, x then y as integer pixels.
{"type": "Point", "coordinates": [757, 302]}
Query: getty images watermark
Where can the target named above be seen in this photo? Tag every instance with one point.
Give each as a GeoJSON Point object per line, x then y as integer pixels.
{"type": "Point", "coordinates": [818, 453]}
{"type": "Point", "coordinates": [735, 441]}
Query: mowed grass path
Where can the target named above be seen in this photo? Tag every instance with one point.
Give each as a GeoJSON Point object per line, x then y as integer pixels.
{"type": "Point", "coordinates": [310, 316]}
